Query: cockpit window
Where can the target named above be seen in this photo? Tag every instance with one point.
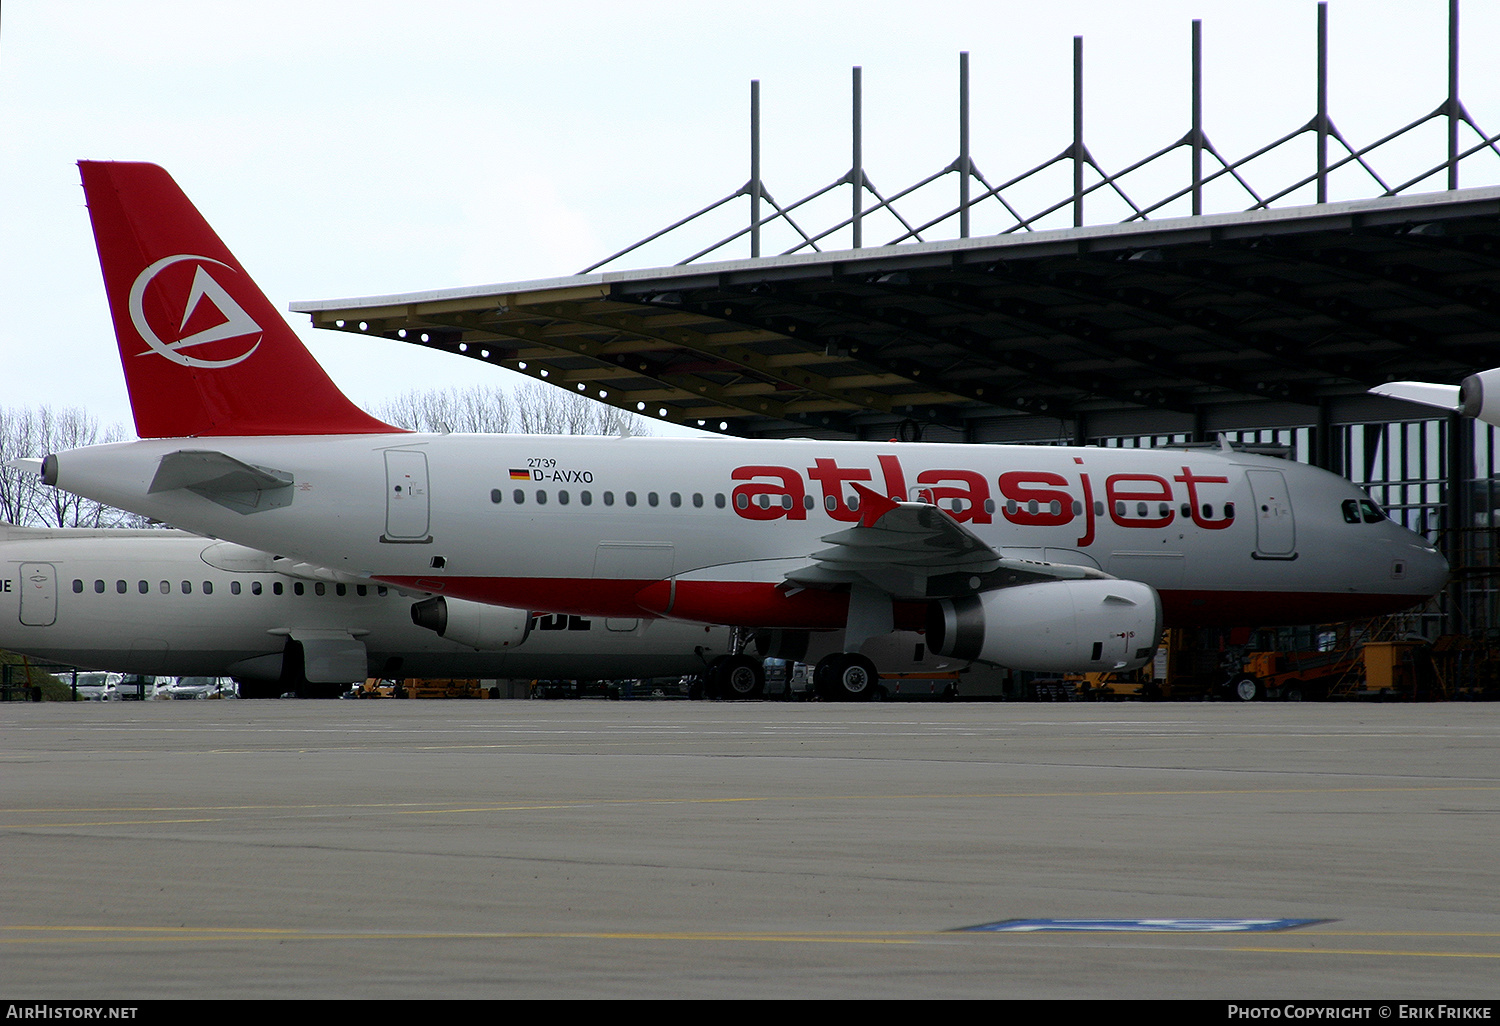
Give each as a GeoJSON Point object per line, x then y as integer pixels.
{"type": "Point", "coordinates": [1373, 514]}
{"type": "Point", "coordinates": [1351, 511]}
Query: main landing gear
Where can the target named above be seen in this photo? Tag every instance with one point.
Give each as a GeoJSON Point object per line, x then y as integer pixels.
{"type": "Point", "coordinates": [846, 677]}
{"type": "Point", "coordinates": [736, 676]}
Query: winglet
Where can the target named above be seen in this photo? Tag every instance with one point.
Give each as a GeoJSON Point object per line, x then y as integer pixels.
{"type": "Point", "coordinates": [204, 351]}
{"type": "Point", "coordinates": [872, 505]}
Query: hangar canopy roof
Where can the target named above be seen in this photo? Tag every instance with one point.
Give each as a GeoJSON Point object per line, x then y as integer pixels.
{"type": "Point", "coordinates": [1282, 316]}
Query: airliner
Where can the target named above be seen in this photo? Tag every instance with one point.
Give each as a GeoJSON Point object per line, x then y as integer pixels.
{"type": "Point", "coordinates": [1477, 396]}
{"type": "Point", "coordinates": [1029, 557]}
{"type": "Point", "coordinates": [164, 602]}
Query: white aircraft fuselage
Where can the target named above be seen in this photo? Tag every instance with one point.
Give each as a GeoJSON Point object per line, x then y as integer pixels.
{"type": "Point", "coordinates": [170, 603]}
{"type": "Point", "coordinates": [705, 530]}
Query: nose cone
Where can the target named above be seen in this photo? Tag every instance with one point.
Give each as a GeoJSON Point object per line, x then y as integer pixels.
{"type": "Point", "coordinates": [1426, 570]}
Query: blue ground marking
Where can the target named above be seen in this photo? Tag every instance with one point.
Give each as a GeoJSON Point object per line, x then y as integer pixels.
{"type": "Point", "coordinates": [1140, 925]}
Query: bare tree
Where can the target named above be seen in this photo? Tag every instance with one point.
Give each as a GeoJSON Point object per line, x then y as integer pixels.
{"type": "Point", "coordinates": [532, 409]}
{"type": "Point", "coordinates": [33, 433]}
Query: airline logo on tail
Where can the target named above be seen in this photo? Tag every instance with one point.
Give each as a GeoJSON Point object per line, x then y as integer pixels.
{"type": "Point", "coordinates": [209, 314]}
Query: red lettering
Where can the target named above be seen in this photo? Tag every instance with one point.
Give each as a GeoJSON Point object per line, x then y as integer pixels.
{"type": "Point", "coordinates": [1034, 506]}
{"type": "Point", "coordinates": [1192, 481]}
{"type": "Point", "coordinates": [1088, 509]}
{"type": "Point", "coordinates": [972, 497]}
{"type": "Point", "coordinates": [895, 478]}
{"type": "Point", "coordinates": [1118, 491]}
{"type": "Point", "coordinates": [760, 500]}
{"type": "Point", "coordinates": [832, 477]}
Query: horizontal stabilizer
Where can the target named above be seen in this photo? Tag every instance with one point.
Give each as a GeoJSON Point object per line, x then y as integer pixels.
{"type": "Point", "coordinates": [223, 479]}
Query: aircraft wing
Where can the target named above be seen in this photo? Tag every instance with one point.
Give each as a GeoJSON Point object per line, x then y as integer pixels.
{"type": "Point", "coordinates": [1444, 397]}
{"type": "Point", "coordinates": [913, 550]}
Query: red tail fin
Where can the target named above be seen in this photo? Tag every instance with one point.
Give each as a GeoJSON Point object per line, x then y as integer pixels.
{"type": "Point", "coordinates": [205, 352]}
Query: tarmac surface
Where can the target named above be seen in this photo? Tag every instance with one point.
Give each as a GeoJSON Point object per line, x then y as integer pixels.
{"type": "Point", "coordinates": [590, 849]}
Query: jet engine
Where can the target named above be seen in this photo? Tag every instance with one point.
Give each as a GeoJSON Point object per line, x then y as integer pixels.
{"type": "Point", "coordinates": [480, 626]}
{"type": "Point", "coordinates": [1479, 396]}
{"type": "Point", "coordinates": [1086, 626]}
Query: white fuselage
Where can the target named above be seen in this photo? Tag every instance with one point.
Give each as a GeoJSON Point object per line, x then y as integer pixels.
{"type": "Point", "coordinates": [705, 529]}
{"type": "Point", "coordinates": [167, 602]}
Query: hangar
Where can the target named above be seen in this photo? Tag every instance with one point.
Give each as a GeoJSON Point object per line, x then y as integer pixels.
{"type": "Point", "coordinates": [1264, 326]}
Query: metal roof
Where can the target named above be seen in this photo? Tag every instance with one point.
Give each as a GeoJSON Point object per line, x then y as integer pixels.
{"type": "Point", "coordinates": [1195, 324]}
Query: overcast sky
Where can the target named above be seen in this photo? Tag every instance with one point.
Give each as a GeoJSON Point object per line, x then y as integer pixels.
{"type": "Point", "coordinates": [345, 149]}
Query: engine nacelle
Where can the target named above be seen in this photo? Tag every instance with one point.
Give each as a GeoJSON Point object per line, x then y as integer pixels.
{"type": "Point", "coordinates": [1479, 396]}
{"type": "Point", "coordinates": [1087, 626]}
{"type": "Point", "coordinates": [482, 627]}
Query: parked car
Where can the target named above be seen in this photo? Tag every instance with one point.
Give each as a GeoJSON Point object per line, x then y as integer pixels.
{"type": "Point", "coordinates": [198, 687]}
{"type": "Point", "coordinates": [93, 685]}
{"type": "Point", "coordinates": [131, 688]}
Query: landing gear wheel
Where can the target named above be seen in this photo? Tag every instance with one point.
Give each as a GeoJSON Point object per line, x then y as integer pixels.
{"type": "Point", "coordinates": [735, 677]}
{"type": "Point", "coordinates": [1247, 689]}
{"type": "Point", "coordinates": [845, 677]}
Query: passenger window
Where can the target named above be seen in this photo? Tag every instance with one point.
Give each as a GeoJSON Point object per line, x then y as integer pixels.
{"type": "Point", "coordinates": [630, 498]}
{"type": "Point", "coordinates": [78, 587]}
{"type": "Point", "coordinates": [255, 587]}
{"type": "Point", "coordinates": [208, 587]}
{"type": "Point", "coordinates": [719, 500]}
{"type": "Point", "coordinates": [187, 587]}
{"type": "Point", "coordinates": [276, 588]}
{"type": "Point", "coordinates": [361, 590]}
{"type": "Point", "coordinates": [341, 590]}
{"type": "Point", "coordinates": [562, 498]}
{"type": "Point", "coordinates": [166, 588]}
{"type": "Point", "coordinates": [676, 499]}
{"type": "Point", "coordinates": [495, 495]}
{"type": "Point", "coordinates": [120, 587]}
{"type": "Point", "coordinates": [587, 498]}
{"type": "Point", "coordinates": [234, 587]}
{"type": "Point", "coordinates": [541, 497]}
{"type": "Point", "coordinates": [520, 497]}
{"type": "Point", "coordinates": [1228, 511]}
{"type": "Point", "coordinates": [320, 589]}
{"type": "Point", "coordinates": [297, 588]}
{"type": "Point", "coordinates": [98, 587]}
{"type": "Point", "coordinates": [698, 500]}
